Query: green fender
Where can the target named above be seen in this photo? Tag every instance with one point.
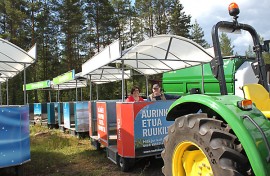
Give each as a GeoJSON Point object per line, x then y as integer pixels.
{"type": "Point", "coordinates": [226, 106]}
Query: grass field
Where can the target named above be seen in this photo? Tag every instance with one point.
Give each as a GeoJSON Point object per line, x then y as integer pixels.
{"type": "Point", "coordinates": [55, 153]}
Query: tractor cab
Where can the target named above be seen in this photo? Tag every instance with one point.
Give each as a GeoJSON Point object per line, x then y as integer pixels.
{"type": "Point", "coordinates": [224, 75]}
{"type": "Point", "coordinates": [217, 63]}
{"type": "Point", "coordinates": [257, 92]}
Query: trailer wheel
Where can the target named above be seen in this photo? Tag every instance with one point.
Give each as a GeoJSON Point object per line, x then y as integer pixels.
{"type": "Point", "coordinates": [96, 144]}
{"type": "Point", "coordinates": [198, 145]}
{"type": "Point", "coordinates": [126, 163]}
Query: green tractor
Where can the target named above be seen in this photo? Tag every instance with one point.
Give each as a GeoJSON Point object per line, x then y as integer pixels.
{"type": "Point", "coordinates": [218, 130]}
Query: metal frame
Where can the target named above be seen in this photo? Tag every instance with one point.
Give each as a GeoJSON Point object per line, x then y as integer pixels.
{"type": "Point", "coordinates": [13, 61]}
{"type": "Point", "coordinates": [217, 62]}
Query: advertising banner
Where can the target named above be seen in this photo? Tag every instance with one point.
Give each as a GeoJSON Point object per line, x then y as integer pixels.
{"type": "Point", "coordinates": [68, 76]}
{"type": "Point", "coordinates": [82, 119]}
{"type": "Point", "coordinates": [38, 85]}
{"type": "Point", "coordinates": [51, 114]}
{"type": "Point", "coordinates": [141, 127]}
{"type": "Point", "coordinates": [37, 113]}
{"type": "Point", "coordinates": [150, 128]}
{"type": "Point", "coordinates": [37, 108]}
{"type": "Point", "coordinates": [66, 113]}
{"type": "Point", "coordinates": [102, 122]}
{"type": "Point", "coordinates": [90, 118]}
{"type": "Point", "coordinates": [60, 114]}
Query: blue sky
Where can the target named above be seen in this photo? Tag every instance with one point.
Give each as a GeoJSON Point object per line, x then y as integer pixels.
{"type": "Point", "coordinates": [252, 12]}
{"type": "Point", "coordinates": [209, 12]}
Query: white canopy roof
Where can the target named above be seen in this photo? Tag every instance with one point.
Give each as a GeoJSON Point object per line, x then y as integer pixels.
{"type": "Point", "coordinates": [107, 74]}
{"type": "Point", "coordinates": [155, 55]}
{"type": "Point", "coordinates": [106, 56]}
{"type": "Point", "coordinates": [13, 58]}
{"type": "Point", "coordinates": [97, 67]}
{"type": "Point", "coordinates": [165, 53]}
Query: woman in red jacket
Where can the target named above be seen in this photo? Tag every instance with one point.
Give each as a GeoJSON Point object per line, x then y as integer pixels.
{"type": "Point", "coordinates": [135, 95]}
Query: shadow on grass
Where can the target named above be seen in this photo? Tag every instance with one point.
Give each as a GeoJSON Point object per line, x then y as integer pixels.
{"type": "Point", "coordinates": [54, 163]}
{"type": "Point", "coordinates": [86, 163]}
{"type": "Point", "coordinates": [148, 166]}
{"type": "Point", "coordinates": [45, 163]}
{"type": "Point", "coordinates": [57, 154]}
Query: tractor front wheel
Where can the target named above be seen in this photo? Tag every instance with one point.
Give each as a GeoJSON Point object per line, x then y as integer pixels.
{"type": "Point", "coordinates": [198, 145]}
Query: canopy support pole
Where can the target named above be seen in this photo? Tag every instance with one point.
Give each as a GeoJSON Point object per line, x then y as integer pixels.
{"type": "Point", "coordinates": [97, 90]}
{"type": "Point", "coordinates": [58, 93]}
{"type": "Point", "coordinates": [76, 91]}
{"type": "Point", "coordinates": [147, 88]}
{"type": "Point", "coordinates": [24, 84]}
{"type": "Point", "coordinates": [202, 78]}
{"type": "Point", "coordinates": [50, 96]}
{"type": "Point", "coordinates": [81, 93]}
{"type": "Point", "coordinates": [123, 82]}
{"type": "Point", "coordinates": [0, 93]}
{"type": "Point", "coordinates": [7, 92]}
{"type": "Point", "coordinates": [90, 91]}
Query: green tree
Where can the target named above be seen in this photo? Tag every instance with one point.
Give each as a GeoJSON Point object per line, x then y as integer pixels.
{"type": "Point", "coordinates": [33, 8]}
{"type": "Point", "coordinates": [137, 30]}
{"type": "Point", "coordinates": [161, 19]}
{"type": "Point", "coordinates": [103, 24]}
{"type": "Point", "coordinates": [133, 30]}
{"type": "Point", "coordinates": [16, 28]}
{"type": "Point", "coordinates": [266, 56]}
{"type": "Point", "coordinates": [68, 32]}
{"type": "Point", "coordinates": [197, 35]}
{"type": "Point", "coordinates": [225, 45]}
{"type": "Point", "coordinates": [123, 12]}
{"type": "Point", "coordinates": [179, 22]}
{"type": "Point", "coordinates": [13, 20]}
{"type": "Point", "coordinates": [71, 26]}
{"type": "Point", "coordinates": [249, 52]}
{"type": "Point", "coordinates": [145, 11]}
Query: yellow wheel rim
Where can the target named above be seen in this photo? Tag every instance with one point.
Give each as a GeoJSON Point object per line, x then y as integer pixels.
{"type": "Point", "coordinates": [189, 160]}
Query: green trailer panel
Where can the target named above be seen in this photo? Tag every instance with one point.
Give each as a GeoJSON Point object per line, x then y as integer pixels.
{"type": "Point", "coordinates": [181, 81]}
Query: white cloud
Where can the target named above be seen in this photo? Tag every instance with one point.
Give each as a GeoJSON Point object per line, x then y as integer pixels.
{"type": "Point", "coordinates": [245, 40]}
{"type": "Point", "coordinates": [241, 42]}
{"type": "Point", "coordinates": [209, 12]}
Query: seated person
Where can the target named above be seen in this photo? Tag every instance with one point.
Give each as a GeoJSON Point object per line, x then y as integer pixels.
{"type": "Point", "coordinates": [135, 95]}
{"type": "Point", "coordinates": [158, 95]}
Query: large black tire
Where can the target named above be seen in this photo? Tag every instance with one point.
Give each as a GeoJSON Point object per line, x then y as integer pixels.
{"type": "Point", "coordinates": [126, 164]}
{"type": "Point", "coordinates": [212, 138]}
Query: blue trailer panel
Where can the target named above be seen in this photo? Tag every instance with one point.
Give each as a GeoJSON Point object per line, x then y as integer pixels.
{"type": "Point", "coordinates": [81, 116]}
{"type": "Point", "coordinates": [14, 135]}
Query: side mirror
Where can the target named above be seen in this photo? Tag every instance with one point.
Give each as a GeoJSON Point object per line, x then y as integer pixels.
{"type": "Point", "coordinates": [266, 44]}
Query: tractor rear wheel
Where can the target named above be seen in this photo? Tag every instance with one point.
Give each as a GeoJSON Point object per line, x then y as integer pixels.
{"type": "Point", "coordinates": [198, 145]}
